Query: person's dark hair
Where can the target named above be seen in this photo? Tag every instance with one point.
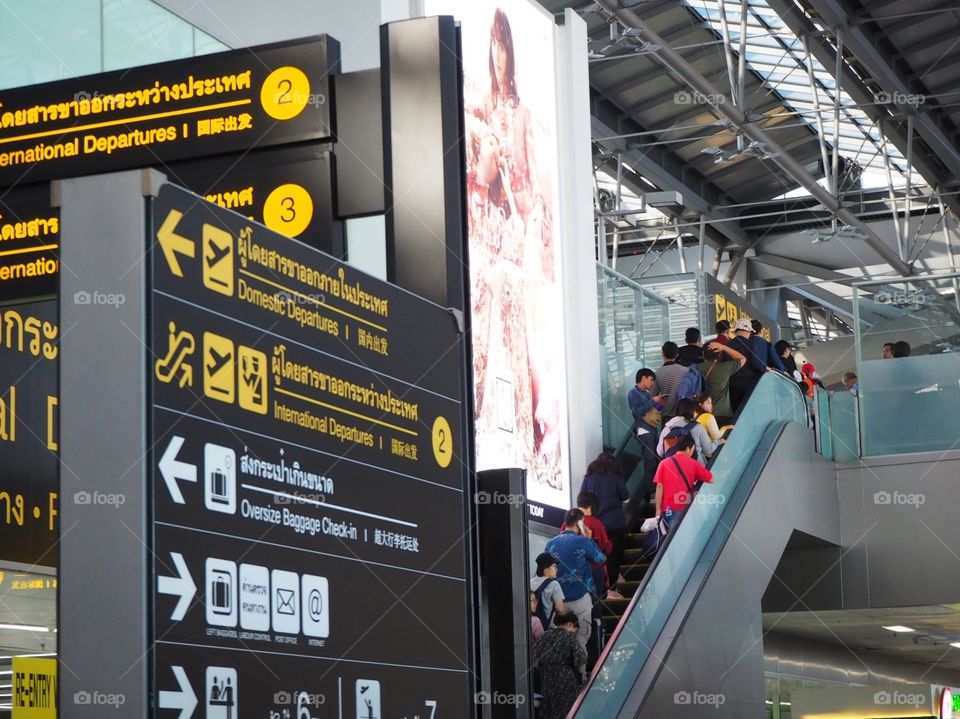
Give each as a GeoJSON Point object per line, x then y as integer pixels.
{"type": "Point", "coordinates": [544, 561]}
{"type": "Point", "coordinates": [645, 372]}
{"type": "Point", "coordinates": [901, 349]}
{"type": "Point", "coordinates": [605, 463]}
{"type": "Point", "coordinates": [692, 335]}
{"type": "Point", "coordinates": [572, 516]}
{"type": "Point", "coordinates": [888, 344]}
{"type": "Point", "coordinates": [589, 500]}
{"type": "Point", "coordinates": [684, 443]}
{"type": "Point", "coordinates": [780, 346]}
{"type": "Point", "coordinates": [757, 325]}
{"type": "Point", "coordinates": [670, 350]}
{"type": "Point", "coordinates": [686, 408]}
{"type": "Point", "coordinates": [561, 620]}
{"type": "Point", "coordinates": [722, 327]}
{"type": "Point", "coordinates": [500, 31]}
{"type": "Point", "coordinates": [700, 399]}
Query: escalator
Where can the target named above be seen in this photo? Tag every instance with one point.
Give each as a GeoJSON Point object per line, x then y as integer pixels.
{"type": "Point", "coordinates": [690, 639]}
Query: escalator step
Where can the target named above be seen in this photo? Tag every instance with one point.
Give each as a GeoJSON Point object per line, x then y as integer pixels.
{"type": "Point", "coordinates": [632, 556]}
{"type": "Point", "coordinates": [634, 572]}
{"type": "Point", "coordinates": [633, 540]}
{"type": "Point", "coordinates": [613, 607]}
{"type": "Point", "coordinates": [628, 589]}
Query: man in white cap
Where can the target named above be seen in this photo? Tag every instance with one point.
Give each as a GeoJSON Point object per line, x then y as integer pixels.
{"type": "Point", "coordinates": [745, 379]}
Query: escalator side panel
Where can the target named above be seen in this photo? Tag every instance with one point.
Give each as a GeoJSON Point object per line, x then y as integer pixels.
{"type": "Point", "coordinates": [712, 650]}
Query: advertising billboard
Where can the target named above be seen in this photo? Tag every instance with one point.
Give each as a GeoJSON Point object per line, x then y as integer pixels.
{"type": "Point", "coordinates": [510, 109]}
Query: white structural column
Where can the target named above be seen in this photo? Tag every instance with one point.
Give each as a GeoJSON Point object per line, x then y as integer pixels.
{"type": "Point", "coordinates": [578, 266]}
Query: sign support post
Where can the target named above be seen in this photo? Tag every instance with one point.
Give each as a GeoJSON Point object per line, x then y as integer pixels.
{"type": "Point", "coordinates": [103, 524]}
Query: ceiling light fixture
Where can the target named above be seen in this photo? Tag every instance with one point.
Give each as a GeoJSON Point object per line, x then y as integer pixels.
{"type": "Point", "coordinates": [955, 644]}
{"type": "Point", "coordinates": [899, 628]}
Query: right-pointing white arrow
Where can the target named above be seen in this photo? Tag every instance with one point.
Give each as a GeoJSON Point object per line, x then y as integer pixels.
{"type": "Point", "coordinates": [172, 470]}
{"type": "Point", "coordinates": [185, 700]}
{"type": "Point", "coordinates": [182, 586]}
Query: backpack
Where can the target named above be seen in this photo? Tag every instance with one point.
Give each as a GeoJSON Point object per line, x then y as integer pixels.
{"type": "Point", "coordinates": [669, 443]}
{"type": "Point", "coordinates": [692, 383]}
{"type": "Point", "coordinates": [541, 610]}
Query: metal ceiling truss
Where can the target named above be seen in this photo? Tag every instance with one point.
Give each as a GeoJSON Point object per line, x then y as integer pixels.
{"type": "Point", "coordinates": [672, 60]}
{"type": "Point", "coordinates": [936, 176]}
{"type": "Point", "coordinates": [665, 170]}
{"type": "Point", "coordinates": [877, 63]}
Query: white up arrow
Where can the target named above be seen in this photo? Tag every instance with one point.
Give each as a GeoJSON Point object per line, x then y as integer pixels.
{"type": "Point", "coordinates": [180, 586]}
{"type": "Point", "coordinates": [185, 700]}
{"type": "Point", "coordinates": [172, 470]}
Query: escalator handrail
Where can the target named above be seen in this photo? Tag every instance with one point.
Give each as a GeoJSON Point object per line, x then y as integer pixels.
{"type": "Point", "coordinates": [649, 574]}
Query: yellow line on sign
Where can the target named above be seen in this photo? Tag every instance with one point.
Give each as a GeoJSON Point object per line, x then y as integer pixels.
{"type": "Point", "coordinates": [127, 120]}
{"type": "Point", "coordinates": [315, 301]}
{"type": "Point", "coordinates": [24, 250]}
{"type": "Point", "coordinates": [345, 411]}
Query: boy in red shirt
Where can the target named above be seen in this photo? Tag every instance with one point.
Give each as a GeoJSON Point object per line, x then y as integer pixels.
{"type": "Point", "coordinates": [676, 478]}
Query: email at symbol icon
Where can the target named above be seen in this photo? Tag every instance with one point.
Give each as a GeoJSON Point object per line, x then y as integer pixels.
{"type": "Point", "coordinates": [286, 603]}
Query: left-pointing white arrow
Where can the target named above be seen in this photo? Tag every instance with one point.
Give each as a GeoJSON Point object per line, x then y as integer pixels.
{"type": "Point", "coordinates": [171, 469]}
{"type": "Point", "coordinates": [185, 700]}
{"type": "Point", "coordinates": [180, 586]}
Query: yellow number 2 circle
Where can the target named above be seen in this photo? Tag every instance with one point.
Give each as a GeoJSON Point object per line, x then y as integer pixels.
{"type": "Point", "coordinates": [288, 210]}
{"type": "Point", "coordinates": [285, 93]}
{"type": "Point", "coordinates": [442, 442]}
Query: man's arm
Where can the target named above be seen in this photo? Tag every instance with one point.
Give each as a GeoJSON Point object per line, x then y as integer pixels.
{"type": "Point", "coordinates": [729, 351]}
{"type": "Point", "coordinates": [702, 474]}
{"type": "Point", "coordinates": [639, 403]}
{"type": "Point", "coordinates": [773, 359]}
{"type": "Point", "coordinates": [756, 364]}
{"type": "Point", "coordinates": [658, 501]}
{"type": "Point", "coordinates": [594, 554]}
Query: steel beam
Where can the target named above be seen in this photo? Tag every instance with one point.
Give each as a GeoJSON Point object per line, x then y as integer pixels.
{"type": "Point", "coordinates": [854, 86]}
{"type": "Point", "coordinates": [654, 171]}
{"type": "Point", "coordinates": [862, 47]}
{"type": "Point", "coordinates": [674, 62]}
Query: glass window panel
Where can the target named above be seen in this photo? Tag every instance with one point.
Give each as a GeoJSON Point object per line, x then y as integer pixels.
{"type": "Point", "coordinates": [37, 45]}
{"type": "Point", "coordinates": [139, 32]}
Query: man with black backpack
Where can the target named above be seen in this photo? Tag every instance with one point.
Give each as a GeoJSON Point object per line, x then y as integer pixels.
{"type": "Point", "coordinates": [547, 589]}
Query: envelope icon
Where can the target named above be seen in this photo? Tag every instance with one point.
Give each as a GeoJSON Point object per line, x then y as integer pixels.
{"type": "Point", "coordinates": [219, 367]}
{"type": "Point", "coordinates": [285, 601]}
{"type": "Point", "coordinates": [218, 260]}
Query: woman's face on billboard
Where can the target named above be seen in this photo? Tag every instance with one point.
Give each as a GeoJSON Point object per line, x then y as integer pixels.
{"type": "Point", "coordinates": [499, 53]}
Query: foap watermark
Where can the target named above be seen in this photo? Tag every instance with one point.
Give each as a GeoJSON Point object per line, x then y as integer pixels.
{"type": "Point", "coordinates": [693, 97]}
{"type": "Point", "coordinates": [903, 297]}
{"type": "Point", "coordinates": [83, 95]}
{"type": "Point", "coordinates": [499, 699]}
{"type": "Point", "coordinates": [700, 498]}
{"type": "Point", "coordinates": [700, 699]}
{"type": "Point", "coordinates": [110, 299]}
{"type": "Point", "coordinates": [899, 98]}
{"type": "Point", "coordinates": [100, 699]}
{"type": "Point", "coordinates": [301, 699]}
{"type": "Point", "coordinates": [286, 96]}
{"type": "Point", "coordinates": [900, 499]}
{"type": "Point", "coordinates": [899, 699]}
{"type": "Point", "coordinates": [297, 298]}
{"type": "Point", "coordinates": [100, 499]}
{"type": "Point", "coordinates": [517, 500]}
{"type": "Point", "coordinates": [300, 498]}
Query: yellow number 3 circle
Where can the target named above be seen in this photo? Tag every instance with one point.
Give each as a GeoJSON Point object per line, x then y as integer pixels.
{"type": "Point", "coordinates": [442, 442]}
{"type": "Point", "coordinates": [285, 93]}
{"type": "Point", "coordinates": [288, 210]}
